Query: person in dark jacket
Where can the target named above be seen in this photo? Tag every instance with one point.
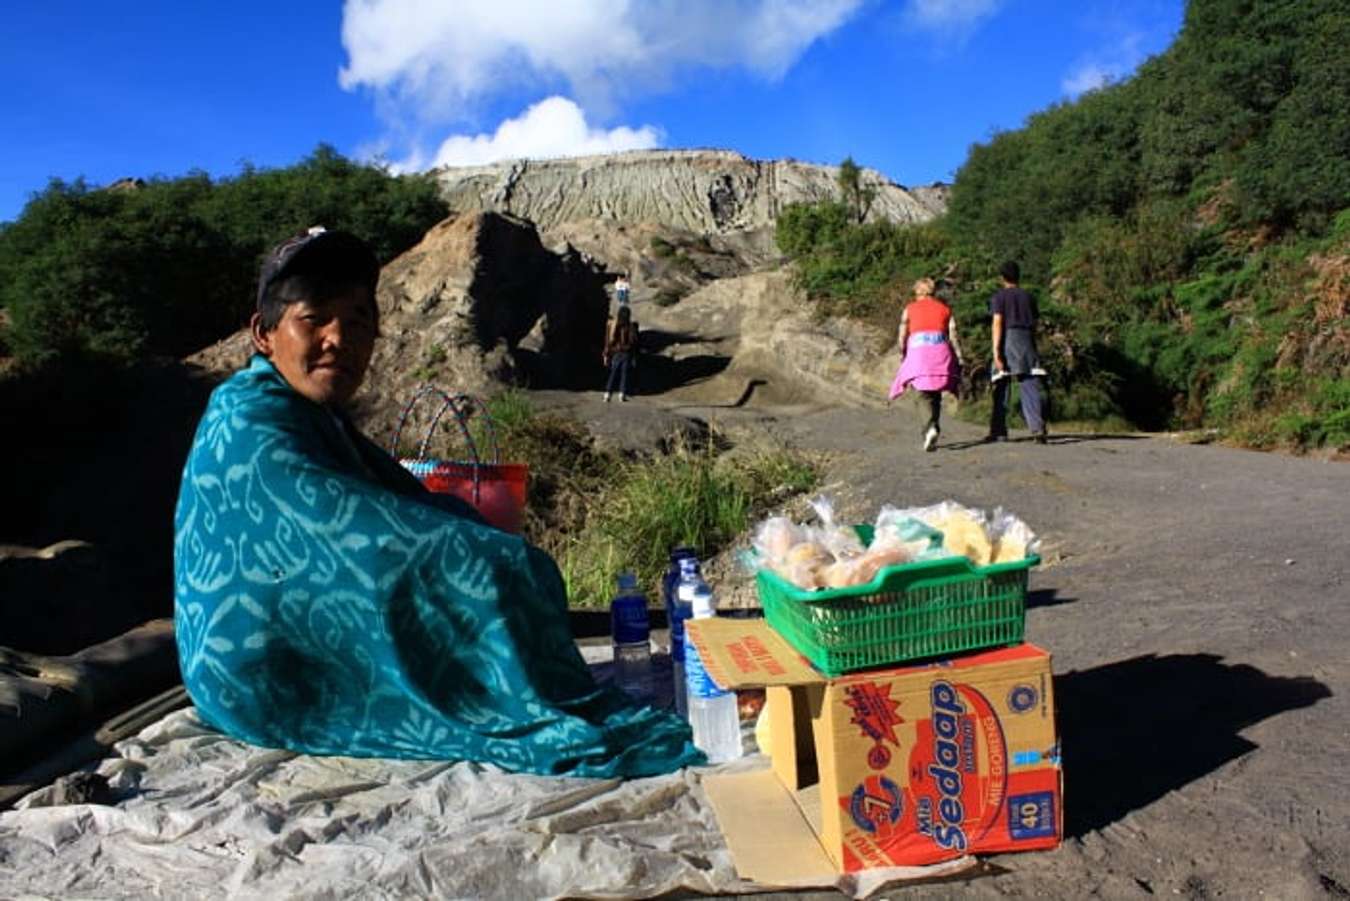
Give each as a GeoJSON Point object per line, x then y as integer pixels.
{"type": "Point", "coordinates": [1014, 313]}
{"type": "Point", "coordinates": [621, 344]}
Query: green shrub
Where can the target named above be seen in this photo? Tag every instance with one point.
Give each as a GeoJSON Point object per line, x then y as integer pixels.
{"type": "Point", "coordinates": [1320, 419]}
{"type": "Point", "coordinates": [1340, 226]}
{"type": "Point", "coordinates": [111, 277]}
{"type": "Point", "coordinates": [852, 269]}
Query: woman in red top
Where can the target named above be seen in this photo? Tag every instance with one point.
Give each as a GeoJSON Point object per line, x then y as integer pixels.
{"type": "Point", "coordinates": [930, 357]}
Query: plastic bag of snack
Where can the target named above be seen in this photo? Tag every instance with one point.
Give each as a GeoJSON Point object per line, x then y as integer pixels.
{"type": "Point", "coordinates": [964, 531]}
{"type": "Point", "coordinates": [901, 528]}
{"type": "Point", "coordinates": [841, 541]}
{"type": "Point", "coordinates": [805, 564]}
{"type": "Point", "coordinates": [866, 567]}
{"type": "Point", "coordinates": [773, 539]}
{"type": "Point", "coordinates": [1013, 539]}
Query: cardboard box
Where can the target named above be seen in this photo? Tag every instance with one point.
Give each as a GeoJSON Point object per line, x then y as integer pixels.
{"type": "Point", "coordinates": [898, 767]}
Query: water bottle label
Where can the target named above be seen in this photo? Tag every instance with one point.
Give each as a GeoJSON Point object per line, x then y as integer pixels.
{"type": "Point", "coordinates": [676, 636]}
{"type": "Point", "coordinates": [700, 683]}
{"type": "Point", "coordinates": [628, 620]}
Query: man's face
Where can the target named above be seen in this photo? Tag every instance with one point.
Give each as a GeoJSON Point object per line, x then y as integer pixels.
{"type": "Point", "coordinates": [322, 348]}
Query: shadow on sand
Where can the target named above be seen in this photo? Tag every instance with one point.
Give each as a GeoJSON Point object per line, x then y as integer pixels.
{"type": "Point", "coordinates": [1046, 597]}
{"type": "Point", "coordinates": [1134, 730]}
{"type": "Point", "coordinates": [656, 373]}
{"type": "Point", "coordinates": [1065, 438]}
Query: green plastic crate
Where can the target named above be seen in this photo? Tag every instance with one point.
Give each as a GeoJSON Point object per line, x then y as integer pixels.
{"type": "Point", "coordinates": [933, 608]}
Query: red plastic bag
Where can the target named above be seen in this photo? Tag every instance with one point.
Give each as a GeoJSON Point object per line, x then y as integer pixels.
{"type": "Point", "coordinates": [495, 489]}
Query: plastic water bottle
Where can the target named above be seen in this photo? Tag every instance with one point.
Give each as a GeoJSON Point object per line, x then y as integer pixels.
{"type": "Point", "coordinates": [672, 575]}
{"type": "Point", "coordinates": [670, 583]}
{"type": "Point", "coordinates": [631, 629]}
{"type": "Point", "coordinates": [712, 710]}
{"type": "Point", "coordinates": [681, 607]}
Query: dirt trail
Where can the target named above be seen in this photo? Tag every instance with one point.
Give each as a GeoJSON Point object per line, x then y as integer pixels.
{"type": "Point", "coordinates": [1196, 603]}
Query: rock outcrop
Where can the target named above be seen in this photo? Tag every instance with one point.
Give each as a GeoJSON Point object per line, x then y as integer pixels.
{"type": "Point", "coordinates": [702, 191]}
{"type": "Point", "coordinates": [755, 340]}
{"type": "Point", "coordinates": [477, 303]}
{"type": "Point", "coordinates": [481, 300]}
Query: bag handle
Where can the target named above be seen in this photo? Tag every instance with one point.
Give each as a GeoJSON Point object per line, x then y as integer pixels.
{"type": "Point", "coordinates": [463, 406]}
{"type": "Point", "coordinates": [421, 392]}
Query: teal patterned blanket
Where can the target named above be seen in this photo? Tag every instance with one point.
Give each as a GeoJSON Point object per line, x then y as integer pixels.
{"type": "Point", "coordinates": [326, 603]}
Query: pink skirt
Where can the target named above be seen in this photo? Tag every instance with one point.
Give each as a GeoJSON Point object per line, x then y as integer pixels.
{"type": "Point", "coordinates": [929, 365]}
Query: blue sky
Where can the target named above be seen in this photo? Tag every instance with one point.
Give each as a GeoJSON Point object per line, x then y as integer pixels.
{"type": "Point", "coordinates": [104, 90]}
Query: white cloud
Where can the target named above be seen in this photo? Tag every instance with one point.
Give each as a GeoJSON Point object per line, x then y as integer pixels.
{"type": "Point", "coordinates": [550, 128]}
{"type": "Point", "coordinates": [434, 60]}
{"type": "Point", "coordinates": [950, 15]}
{"type": "Point", "coordinates": [430, 63]}
{"type": "Point", "coordinates": [1109, 65]}
{"type": "Point", "coordinates": [1087, 77]}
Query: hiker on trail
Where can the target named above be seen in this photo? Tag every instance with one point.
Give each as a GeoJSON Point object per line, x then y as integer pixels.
{"type": "Point", "coordinates": [621, 289]}
{"type": "Point", "coordinates": [1013, 337]}
{"type": "Point", "coordinates": [930, 356]}
{"type": "Point", "coordinates": [325, 602]}
{"type": "Point", "coordinates": [621, 346]}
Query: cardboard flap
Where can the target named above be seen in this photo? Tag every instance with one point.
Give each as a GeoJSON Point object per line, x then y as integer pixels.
{"type": "Point", "coordinates": [748, 653]}
{"type": "Point", "coordinates": [773, 845]}
{"type": "Point", "coordinates": [770, 842]}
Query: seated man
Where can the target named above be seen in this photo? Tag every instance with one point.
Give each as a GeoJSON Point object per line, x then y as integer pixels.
{"type": "Point", "coordinates": [327, 603]}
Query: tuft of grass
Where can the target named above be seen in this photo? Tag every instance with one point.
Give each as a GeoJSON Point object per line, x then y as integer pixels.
{"type": "Point", "coordinates": [668, 297]}
{"type": "Point", "coordinates": [691, 495]}
{"type": "Point", "coordinates": [511, 411]}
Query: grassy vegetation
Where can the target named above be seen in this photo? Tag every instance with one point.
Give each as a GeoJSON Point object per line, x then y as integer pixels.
{"type": "Point", "coordinates": [662, 249]}
{"type": "Point", "coordinates": [678, 254]}
{"type": "Point", "coordinates": [1186, 232]}
{"type": "Point", "coordinates": [668, 297]}
{"type": "Point", "coordinates": [599, 512]}
{"type": "Point", "coordinates": [1158, 320]}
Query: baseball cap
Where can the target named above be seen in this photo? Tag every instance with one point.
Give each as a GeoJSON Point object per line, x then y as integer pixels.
{"type": "Point", "coordinates": [312, 244]}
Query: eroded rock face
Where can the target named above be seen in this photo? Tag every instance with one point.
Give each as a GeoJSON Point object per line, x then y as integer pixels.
{"type": "Point", "coordinates": [703, 191]}
{"type": "Point", "coordinates": [481, 301]}
{"type": "Point", "coordinates": [477, 303]}
{"type": "Point", "coordinates": [773, 349]}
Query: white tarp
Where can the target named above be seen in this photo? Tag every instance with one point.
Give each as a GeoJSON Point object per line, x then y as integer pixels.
{"type": "Point", "coordinates": [201, 815]}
